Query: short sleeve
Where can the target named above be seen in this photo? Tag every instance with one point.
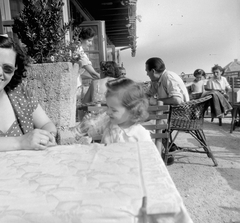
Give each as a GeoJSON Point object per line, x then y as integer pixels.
{"type": "Point", "coordinates": [84, 58]}
{"type": "Point", "coordinates": [227, 85]}
{"type": "Point", "coordinates": [173, 88]}
{"type": "Point", "coordinates": [32, 100]}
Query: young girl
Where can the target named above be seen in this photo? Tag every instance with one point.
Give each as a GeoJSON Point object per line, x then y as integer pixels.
{"type": "Point", "coordinates": [199, 82]}
{"type": "Point", "coordinates": [198, 85]}
{"type": "Point", "coordinates": [127, 108]}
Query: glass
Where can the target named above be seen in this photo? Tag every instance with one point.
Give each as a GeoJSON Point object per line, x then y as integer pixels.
{"type": "Point", "coordinates": [8, 69]}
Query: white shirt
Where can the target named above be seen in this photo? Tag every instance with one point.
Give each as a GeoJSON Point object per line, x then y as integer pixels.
{"type": "Point", "coordinates": [135, 133]}
{"type": "Point", "coordinates": [170, 84]}
{"type": "Point", "coordinates": [84, 61]}
{"type": "Point", "coordinates": [216, 84]}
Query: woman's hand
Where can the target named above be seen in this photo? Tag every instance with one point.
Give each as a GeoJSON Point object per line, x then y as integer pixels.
{"type": "Point", "coordinates": [37, 140]}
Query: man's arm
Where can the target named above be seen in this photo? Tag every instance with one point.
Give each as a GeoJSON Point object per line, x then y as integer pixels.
{"type": "Point", "coordinates": [174, 100]}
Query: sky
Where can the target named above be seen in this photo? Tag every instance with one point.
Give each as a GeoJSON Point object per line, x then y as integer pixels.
{"type": "Point", "coordinates": [185, 34]}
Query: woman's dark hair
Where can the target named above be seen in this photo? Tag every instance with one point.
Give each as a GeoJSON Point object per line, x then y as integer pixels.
{"type": "Point", "coordinates": [199, 71]}
{"type": "Point", "coordinates": [156, 63]}
{"type": "Point", "coordinates": [131, 95]}
{"type": "Point", "coordinates": [21, 60]}
{"type": "Point", "coordinates": [110, 69]}
{"type": "Point", "coordinates": [86, 33]}
{"type": "Point", "coordinates": [217, 67]}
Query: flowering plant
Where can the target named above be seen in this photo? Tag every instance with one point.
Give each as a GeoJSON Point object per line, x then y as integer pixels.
{"type": "Point", "coordinates": [40, 29]}
{"type": "Point", "coordinates": [66, 53]}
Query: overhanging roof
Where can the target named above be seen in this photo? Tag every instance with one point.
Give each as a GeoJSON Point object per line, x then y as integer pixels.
{"type": "Point", "coordinates": [120, 20]}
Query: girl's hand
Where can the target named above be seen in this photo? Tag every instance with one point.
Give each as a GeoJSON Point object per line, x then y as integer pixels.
{"type": "Point", "coordinates": [37, 140]}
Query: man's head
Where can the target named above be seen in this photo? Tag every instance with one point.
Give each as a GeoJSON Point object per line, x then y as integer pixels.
{"type": "Point", "coordinates": [154, 68]}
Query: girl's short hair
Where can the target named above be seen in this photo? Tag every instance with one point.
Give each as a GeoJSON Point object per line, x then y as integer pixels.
{"type": "Point", "coordinates": [131, 95]}
{"type": "Point", "coordinates": [199, 71]}
{"type": "Point", "coordinates": [22, 60]}
{"type": "Point", "coordinates": [86, 33]}
{"type": "Point", "coordinates": [217, 67]}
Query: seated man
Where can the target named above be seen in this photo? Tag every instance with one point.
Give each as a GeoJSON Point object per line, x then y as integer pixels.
{"type": "Point", "coordinates": [166, 86]}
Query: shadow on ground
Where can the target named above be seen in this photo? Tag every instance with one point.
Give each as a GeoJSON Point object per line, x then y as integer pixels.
{"type": "Point", "coordinates": [232, 176]}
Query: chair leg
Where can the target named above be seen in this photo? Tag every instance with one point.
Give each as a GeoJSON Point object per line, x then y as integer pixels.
{"type": "Point", "coordinates": [201, 138]}
{"type": "Point", "coordinates": [167, 145]}
{"type": "Point", "coordinates": [220, 121]}
{"type": "Point", "coordinates": [234, 113]}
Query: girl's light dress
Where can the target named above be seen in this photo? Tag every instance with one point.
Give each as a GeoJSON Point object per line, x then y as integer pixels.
{"type": "Point", "coordinates": [135, 133]}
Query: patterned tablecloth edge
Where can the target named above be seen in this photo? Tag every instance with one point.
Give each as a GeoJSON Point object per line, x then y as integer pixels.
{"type": "Point", "coordinates": [161, 192]}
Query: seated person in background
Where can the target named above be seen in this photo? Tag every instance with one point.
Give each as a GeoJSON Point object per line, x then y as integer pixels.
{"type": "Point", "coordinates": [24, 125]}
{"type": "Point", "coordinates": [166, 86]}
{"type": "Point", "coordinates": [127, 108]}
{"type": "Point", "coordinates": [97, 89]}
{"type": "Point", "coordinates": [218, 82]}
{"type": "Point", "coordinates": [198, 85]}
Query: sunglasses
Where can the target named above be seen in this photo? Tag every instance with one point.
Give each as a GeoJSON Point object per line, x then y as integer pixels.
{"type": "Point", "coordinates": [8, 69]}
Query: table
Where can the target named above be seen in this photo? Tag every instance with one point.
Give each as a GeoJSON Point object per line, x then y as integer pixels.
{"type": "Point", "coordinates": [88, 184]}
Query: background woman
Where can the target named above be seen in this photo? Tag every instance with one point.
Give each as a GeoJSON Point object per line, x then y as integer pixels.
{"type": "Point", "coordinates": [23, 123]}
{"type": "Point", "coordinates": [97, 89]}
{"type": "Point", "coordinates": [86, 38]}
{"type": "Point", "coordinates": [218, 82]}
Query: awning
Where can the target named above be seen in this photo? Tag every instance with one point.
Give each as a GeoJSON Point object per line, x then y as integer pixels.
{"type": "Point", "coordinates": [120, 19]}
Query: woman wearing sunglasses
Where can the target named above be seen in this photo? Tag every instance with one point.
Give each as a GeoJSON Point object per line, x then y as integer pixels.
{"type": "Point", "coordinates": [24, 125]}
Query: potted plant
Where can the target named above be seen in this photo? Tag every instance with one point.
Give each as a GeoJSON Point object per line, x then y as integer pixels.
{"type": "Point", "coordinates": [52, 75]}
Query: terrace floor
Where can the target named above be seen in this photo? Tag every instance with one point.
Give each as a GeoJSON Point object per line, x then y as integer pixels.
{"type": "Point", "coordinates": [211, 194]}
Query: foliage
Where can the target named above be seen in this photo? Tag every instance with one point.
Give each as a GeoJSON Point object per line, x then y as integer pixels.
{"type": "Point", "coordinates": [40, 29]}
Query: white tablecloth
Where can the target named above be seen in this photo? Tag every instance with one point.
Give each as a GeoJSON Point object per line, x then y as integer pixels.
{"type": "Point", "coordinates": [88, 184]}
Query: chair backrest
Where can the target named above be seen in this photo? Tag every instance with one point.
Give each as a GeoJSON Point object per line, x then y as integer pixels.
{"type": "Point", "coordinates": [235, 85]}
{"type": "Point", "coordinates": [189, 115]}
{"type": "Point", "coordinates": [158, 121]}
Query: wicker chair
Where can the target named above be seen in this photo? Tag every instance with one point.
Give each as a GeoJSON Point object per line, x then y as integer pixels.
{"type": "Point", "coordinates": [188, 117]}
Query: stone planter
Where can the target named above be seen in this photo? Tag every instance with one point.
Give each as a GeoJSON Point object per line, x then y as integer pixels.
{"type": "Point", "coordinates": [54, 85]}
